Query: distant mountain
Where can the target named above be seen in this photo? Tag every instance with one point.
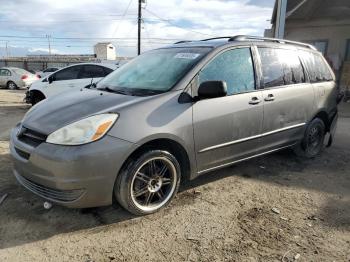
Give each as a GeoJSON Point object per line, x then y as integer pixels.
{"type": "Point", "coordinates": [22, 51]}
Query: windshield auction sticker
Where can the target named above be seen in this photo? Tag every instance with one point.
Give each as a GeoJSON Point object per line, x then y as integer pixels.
{"type": "Point", "coordinates": [186, 55]}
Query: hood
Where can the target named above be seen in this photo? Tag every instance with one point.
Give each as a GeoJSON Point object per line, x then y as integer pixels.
{"type": "Point", "coordinates": [56, 112]}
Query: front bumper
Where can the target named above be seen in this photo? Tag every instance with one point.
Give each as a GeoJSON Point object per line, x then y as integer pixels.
{"type": "Point", "coordinates": [73, 176]}
{"type": "Point", "coordinates": [28, 98]}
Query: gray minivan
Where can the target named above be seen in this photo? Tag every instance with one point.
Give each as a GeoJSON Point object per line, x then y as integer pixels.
{"type": "Point", "coordinates": [172, 114]}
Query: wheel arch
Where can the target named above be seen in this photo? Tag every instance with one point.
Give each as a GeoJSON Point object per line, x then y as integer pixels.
{"type": "Point", "coordinates": [323, 115]}
{"type": "Point", "coordinates": [172, 146]}
{"type": "Point", "coordinates": [36, 92]}
{"type": "Point", "coordinates": [13, 81]}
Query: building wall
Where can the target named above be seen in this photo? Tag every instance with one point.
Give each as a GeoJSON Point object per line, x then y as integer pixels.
{"type": "Point", "coordinates": [105, 51]}
{"type": "Point", "coordinates": [336, 32]}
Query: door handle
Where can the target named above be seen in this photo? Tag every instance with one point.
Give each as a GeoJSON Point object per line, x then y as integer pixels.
{"type": "Point", "coordinates": [254, 101]}
{"type": "Point", "coordinates": [270, 97]}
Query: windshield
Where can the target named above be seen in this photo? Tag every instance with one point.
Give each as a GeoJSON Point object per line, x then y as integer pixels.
{"type": "Point", "coordinates": [153, 72]}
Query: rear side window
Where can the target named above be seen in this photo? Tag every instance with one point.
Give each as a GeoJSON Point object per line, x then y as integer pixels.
{"type": "Point", "coordinates": [235, 67]}
{"type": "Point", "coordinates": [68, 73]}
{"type": "Point", "coordinates": [92, 71]}
{"type": "Point", "coordinates": [316, 66]}
{"type": "Point", "coordinates": [280, 67]}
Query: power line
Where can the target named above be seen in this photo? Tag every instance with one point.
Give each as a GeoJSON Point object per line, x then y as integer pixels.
{"type": "Point", "coordinates": [171, 23]}
{"type": "Point", "coordinates": [126, 10]}
{"type": "Point", "coordinates": [86, 38]}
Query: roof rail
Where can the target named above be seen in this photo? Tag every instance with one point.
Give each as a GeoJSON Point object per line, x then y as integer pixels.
{"type": "Point", "coordinates": [208, 39]}
{"type": "Point", "coordinates": [216, 38]}
{"type": "Point", "coordinates": [267, 39]}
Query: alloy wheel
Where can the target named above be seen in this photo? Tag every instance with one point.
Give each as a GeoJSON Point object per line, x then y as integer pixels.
{"type": "Point", "coordinates": [153, 184]}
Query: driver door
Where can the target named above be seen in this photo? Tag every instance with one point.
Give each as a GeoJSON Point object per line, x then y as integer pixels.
{"type": "Point", "coordinates": [227, 129]}
{"type": "Point", "coordinates": [63, 80]}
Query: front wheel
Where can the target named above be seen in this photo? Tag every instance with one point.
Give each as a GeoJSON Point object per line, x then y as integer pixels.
{"type": "Point", "coordinates": [312, 143]}
{"type": "Point", "coordinates": [148, 183]}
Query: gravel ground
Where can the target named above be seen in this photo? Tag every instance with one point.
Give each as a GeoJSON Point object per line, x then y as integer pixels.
{"type": "Point", "coordinates": [273, 208]}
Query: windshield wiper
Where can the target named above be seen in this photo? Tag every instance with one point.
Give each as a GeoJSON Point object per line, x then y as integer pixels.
{"type": "Point", "coordinates": [146, 92]}
{"type": "Point", "coordinates": [116, 91]}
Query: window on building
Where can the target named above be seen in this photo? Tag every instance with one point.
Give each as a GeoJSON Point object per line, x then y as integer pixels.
{"type": "Point", "coordinates": [321, 45]}
{"type": "Point", "coordinates": [235, 67]}
{"type": "Point", "coordinates": [280, 67]}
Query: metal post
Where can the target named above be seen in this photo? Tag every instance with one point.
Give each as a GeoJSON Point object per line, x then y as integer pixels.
{"type": "Point", "coordinates": [48, 39]}
{"type": "Point", "coordinates": [7, 49]}
{"type": "Point", "coordinates": [281, 18]}
{"type": "Point", "coordinates": [139, 29]}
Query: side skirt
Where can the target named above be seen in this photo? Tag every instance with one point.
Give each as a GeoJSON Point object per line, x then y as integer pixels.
{"type": "Point", "coordinates": [243, 159]}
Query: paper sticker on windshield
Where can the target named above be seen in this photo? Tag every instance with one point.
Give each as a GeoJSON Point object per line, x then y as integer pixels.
{"type": "Point", "coordinates": [186, 55]}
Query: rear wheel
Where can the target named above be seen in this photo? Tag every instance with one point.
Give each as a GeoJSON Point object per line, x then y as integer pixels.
{"type": "Point", "coordinates": [12, 85]}
{"type": "Point", "coordinates": [148, 183]}
{"type": "Point", "coordinates": [312, 143]}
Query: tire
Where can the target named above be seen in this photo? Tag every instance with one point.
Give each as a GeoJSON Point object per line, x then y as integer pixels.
{"type": "Point", "coordinates": [312, 143]}
{"type": "Point", "coordinates": [148, 182]}
{"type": "Point", "coordinates": [11, 85]}
{"type": "Point", "coordinates": [36, 98]}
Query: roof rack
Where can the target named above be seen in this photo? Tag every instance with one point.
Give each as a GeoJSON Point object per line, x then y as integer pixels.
{"type": "Point", "coordinates": [216, 38]}
{"type": "Point", "coordinates": [267, 39]}
{"type": "Point", "coordinates": [258, 38]}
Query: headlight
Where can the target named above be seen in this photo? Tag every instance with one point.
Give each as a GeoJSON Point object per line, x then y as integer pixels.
{"type": "Point", "coordinates": [83, 131]}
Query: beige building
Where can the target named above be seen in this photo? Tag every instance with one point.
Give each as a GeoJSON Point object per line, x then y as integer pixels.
{"type": "Point", "coordinates": [105, 51]}
{"type": "Point", "coordinates": [323, 23]}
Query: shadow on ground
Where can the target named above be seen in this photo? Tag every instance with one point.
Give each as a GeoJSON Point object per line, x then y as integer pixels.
{"type": "Point", "coordinates": [23, 210]}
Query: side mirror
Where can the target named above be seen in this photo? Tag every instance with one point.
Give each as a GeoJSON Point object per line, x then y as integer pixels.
{"type": "Point", "coordinates": [50, 79]}
{"type": "Point", "coordinates": [212, 89]}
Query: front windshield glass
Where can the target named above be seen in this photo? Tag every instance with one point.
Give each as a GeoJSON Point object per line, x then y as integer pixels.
{"type": "Point", "coordinates": [155, 71]}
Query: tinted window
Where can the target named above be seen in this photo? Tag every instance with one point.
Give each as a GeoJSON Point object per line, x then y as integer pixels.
{"type": "Point", "coordinates": [92, 71]}
{"type": "Point", "coordinates": [292, 68]}
{"type": "Point", "coordinates": [68, 73]}
{"type": "Point", "coordinates": [280, 67]}
{"type": "Point", "coordinates": [107, 70]}
{"type": "Point", "coordinates": [235, 67]}
{"type": "Point", "coordinates": [316, 66]}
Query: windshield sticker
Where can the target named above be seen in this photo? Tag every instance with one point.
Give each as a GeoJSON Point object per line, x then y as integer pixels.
{"type": "Point", "coordinates": [186, 55]}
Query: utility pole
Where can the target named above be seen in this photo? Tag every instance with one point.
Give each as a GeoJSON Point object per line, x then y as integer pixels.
{"type": "Point", "coordinates": [48, 39]}
{"type": "Point", "coordinates": [139, 29]}
{"type": "Point", "coordinates": [7, 50]}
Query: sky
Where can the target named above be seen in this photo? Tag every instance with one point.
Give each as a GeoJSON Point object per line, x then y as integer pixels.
{"type": "Point", "coordinates": [74, 26]}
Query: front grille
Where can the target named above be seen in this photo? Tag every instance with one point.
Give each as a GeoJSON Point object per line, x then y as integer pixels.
{"type": "Point", "coordinates": [22, 154]}
{"type": "Point", "coordinates": [49, 193]}
{"type": "Point", "coordinates": [31, 137]}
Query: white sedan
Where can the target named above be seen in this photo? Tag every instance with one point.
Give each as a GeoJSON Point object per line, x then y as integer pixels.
{"type": "Point", "coordinates": [14, 78]}
{"type": "Point", "coordinates": [67, 79]}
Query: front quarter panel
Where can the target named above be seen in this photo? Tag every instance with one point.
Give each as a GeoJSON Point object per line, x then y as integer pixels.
{"type": "Point", "coordinates": [157, 118]}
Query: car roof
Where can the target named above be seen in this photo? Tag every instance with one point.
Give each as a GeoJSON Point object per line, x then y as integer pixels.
{"type": "Point", "coordinates": [239, 40]}
{"type": "Point", "coordinates": [109, 65]}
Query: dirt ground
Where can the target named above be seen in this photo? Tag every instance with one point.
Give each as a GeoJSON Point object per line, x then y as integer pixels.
{"type": "Point", "coordinates": [223, 216]}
